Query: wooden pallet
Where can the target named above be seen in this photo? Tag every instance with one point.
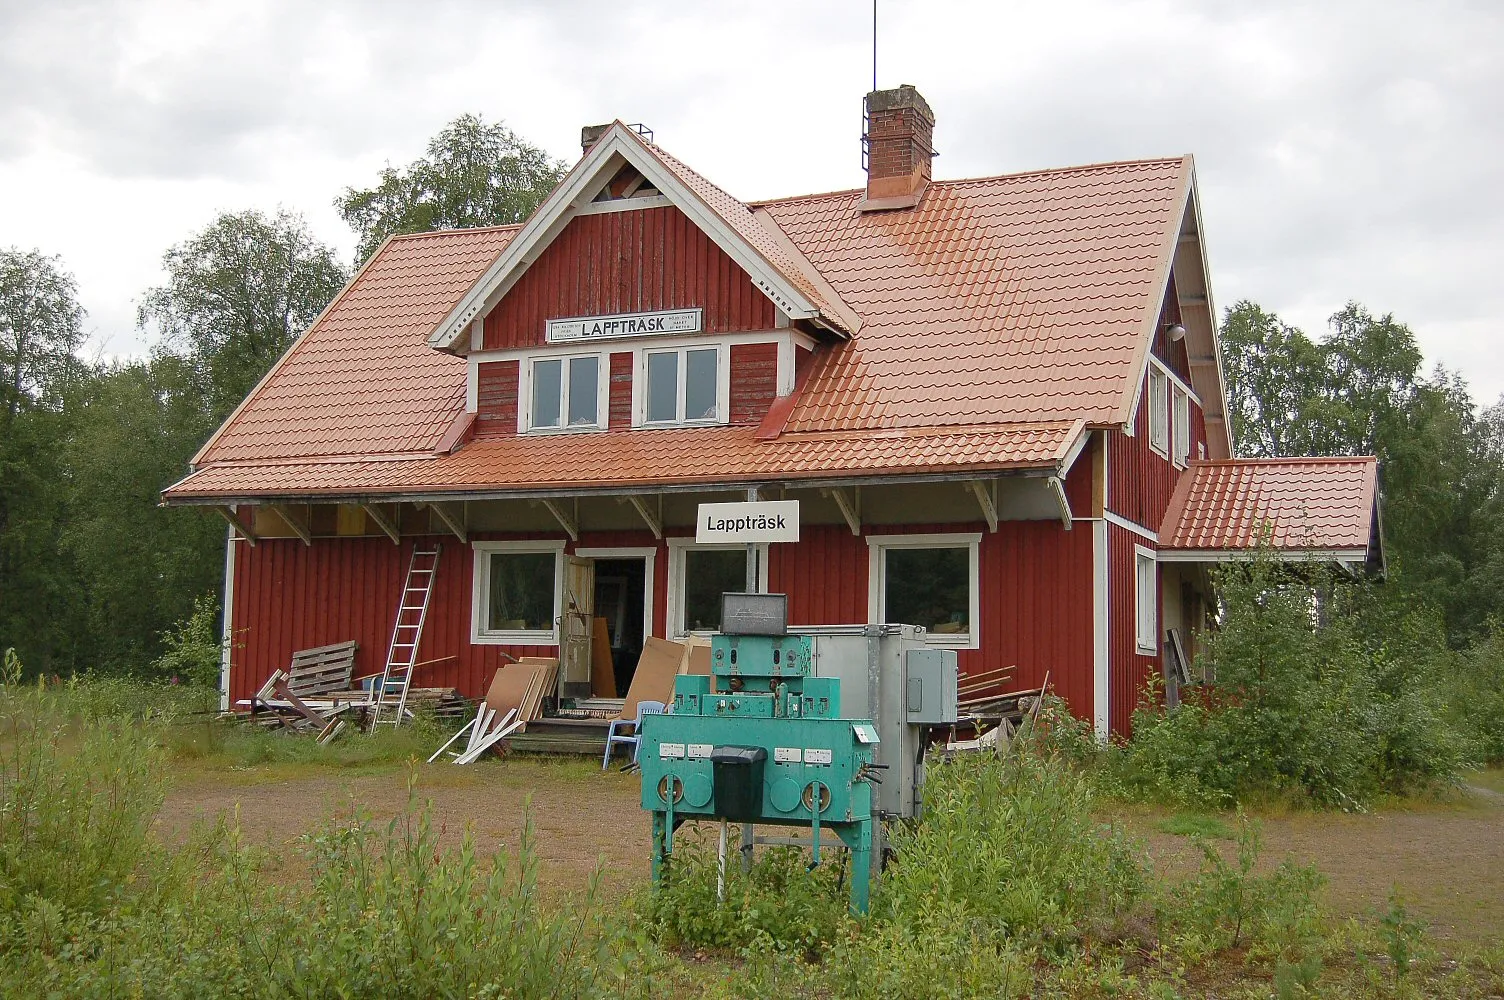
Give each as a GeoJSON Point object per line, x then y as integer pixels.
{"type": "Point", "coordinates": [322, 670]}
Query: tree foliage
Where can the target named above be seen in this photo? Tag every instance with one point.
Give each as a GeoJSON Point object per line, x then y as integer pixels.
{"type": "Point", "coordinates": [41, 325]}
{"type": "Point", "coordinates": [237, 294]}
{"type": "Point", "coordinates": [475, 174]}
{"type": "Point", "coordinates": [1361, 390]}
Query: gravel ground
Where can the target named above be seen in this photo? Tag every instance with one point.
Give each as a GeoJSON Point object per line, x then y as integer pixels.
{"type": "Point", "coordinates": [1446, 859]}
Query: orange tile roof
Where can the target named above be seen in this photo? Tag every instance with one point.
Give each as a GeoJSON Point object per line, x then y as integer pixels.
{"type": "Point", "coordinates": [683, 456]}
{"type": "Point", "coordinates": [1294, 503]}
{"type": "Point", "coordinates": [997, 310]}
{"type": "Point", "coordinates": [363, 379]}
{"type": "Point", "coordinates": [1010, 298]}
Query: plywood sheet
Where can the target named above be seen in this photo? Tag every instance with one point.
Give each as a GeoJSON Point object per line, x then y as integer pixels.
{"type": "Point", "coordinates": [654, 678]}
{"type": "Point", "coordinates": [602, 672]}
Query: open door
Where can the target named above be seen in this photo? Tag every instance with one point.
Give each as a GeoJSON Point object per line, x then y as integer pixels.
{"type": "Point", "coordinates": [575, 630]}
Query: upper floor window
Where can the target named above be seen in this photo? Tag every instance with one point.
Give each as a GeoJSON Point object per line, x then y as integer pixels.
{"type": "Point", "coordinates": [1159, 417]}
{"type": "Point", "coordinates": [684, 386]}
{"type": "Point", "coordinates": [1181, 430]}
{"type": "Point", "coordinates": [564, 393]}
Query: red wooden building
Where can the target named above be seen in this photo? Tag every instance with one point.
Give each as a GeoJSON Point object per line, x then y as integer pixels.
{"type": "Point", "coordinates": [999, 402]}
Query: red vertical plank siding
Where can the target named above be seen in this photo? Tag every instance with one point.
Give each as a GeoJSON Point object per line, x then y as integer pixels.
{"type": "Point", "coordinates": [1128, 669]}
{"type": "Point", "coordinates": [1035, 601]}
{"type": "Point", "coordinates": [621, 262]}
{"type": "Point", "coordinates": [620, 392]}
{"type": "Point", "coordinates": [754, 381]}
{"type": "Point", "coordinates": [1141, 480]}
{"type": "Point", "coordinates": [496, 399]}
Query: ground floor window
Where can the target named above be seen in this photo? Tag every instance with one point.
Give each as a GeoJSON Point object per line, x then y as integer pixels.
{"type": "Point", "coordinates": [516, 593]}
{"type": "Point", "coordinates": [1146, 599]}
{"type": "Point", "coordinates": [699, 575]}
{"type": "Point", "coordinates": [929, 580]}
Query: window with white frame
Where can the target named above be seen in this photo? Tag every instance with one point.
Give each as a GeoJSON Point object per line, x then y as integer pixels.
{"type": "Point", "coordinates": [1159, 422]}
{"type": "Point", "coordinates": [564, 393]}
{"type": "Point", "coordinates": [697, 577]}
{"type": "Point", "coordinates": [1146, 599]}
{"type": "Point", "coordinates": [1181, 428]}
{"type": "Point", "coordinates": [929, 580]}
{"type": "Point", "coordinates": [683, 386]}
{"type": "Point", "coordinates": [516, 593]}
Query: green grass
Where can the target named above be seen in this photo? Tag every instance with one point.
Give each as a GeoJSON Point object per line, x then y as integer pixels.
{"type": "Point", "coordinates": [1195, 825]}
{"type": "Point", "coordinates": [1491, 778]}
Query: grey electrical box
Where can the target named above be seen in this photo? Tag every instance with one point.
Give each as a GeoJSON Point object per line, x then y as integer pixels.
{"type": "Point", "coordinates": [930, 682]}
{"type": "Point", "coordinates": [754, 614]}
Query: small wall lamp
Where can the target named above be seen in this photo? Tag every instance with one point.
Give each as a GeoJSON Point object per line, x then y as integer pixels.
{"type": "Point", "coordinates": [1175, 330]}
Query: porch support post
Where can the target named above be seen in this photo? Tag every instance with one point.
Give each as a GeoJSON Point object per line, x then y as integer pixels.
{"type": "Point", "coordinates": [299, 528]}
{"type": "Point", "coordinates": [566, 521]}
{"type": "Point", "coordinates": [651, 518]}
{"type": "Point", "coordinates": [454, 524]}
{"type": "Point", "coordinates": [232, 518]}
{"type": "Point", "coordinates": [1065, 505]}
{"type": "Point", "coordinates": [984, 498]}
{"type": "Point", "coordinates": [847, 508]}
{"type": "Point", "coordinates": [387, 526]}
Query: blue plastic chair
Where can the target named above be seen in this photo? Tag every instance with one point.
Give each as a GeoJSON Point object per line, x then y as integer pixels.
{"type": "Point", "coordinates": [613, 737]}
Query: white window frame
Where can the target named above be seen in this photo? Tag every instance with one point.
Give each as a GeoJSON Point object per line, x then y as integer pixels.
{"type": "Point", "coordinates": [878, 547]}
{"type": "Point", "coordinates": [480, 594]}
{"type": "Point", "coordinates": [1180, 427]}
{"type": "Point", "coordinates": [640, 384]}
{"type": "Point", "coordinates": [1145, 605]}
{"type": "Point", "coordinates": [1159, 412]}
{"type": "Point", "coordinates": [525, 393]}
{"type": "Point", "coordinates": [677, 547]}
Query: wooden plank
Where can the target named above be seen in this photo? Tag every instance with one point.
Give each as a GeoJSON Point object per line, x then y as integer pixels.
{"type": "Point", "coordinates": [467, 727]}
{"type": "Point", "coordinates": [602, 669]}
{"type": "Point", "coordinates": [297, 704]}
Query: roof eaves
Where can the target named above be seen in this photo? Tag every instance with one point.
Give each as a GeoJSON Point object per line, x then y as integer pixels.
{"type": "Point", "coordinates": [1128, 402]}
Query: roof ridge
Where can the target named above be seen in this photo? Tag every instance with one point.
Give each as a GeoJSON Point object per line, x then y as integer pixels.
{"type": "Point", "coordinates": [457, 230]}
{"type": "Point", "coordinates": [955, 181]}
{"type": "Point", "coordinates": [1283, 460]}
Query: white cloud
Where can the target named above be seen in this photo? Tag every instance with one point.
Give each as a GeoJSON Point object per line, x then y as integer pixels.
{"type": "Point", "coordinates": [1346, 150]}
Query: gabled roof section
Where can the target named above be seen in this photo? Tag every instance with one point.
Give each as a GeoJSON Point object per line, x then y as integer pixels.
{"type": "Point", "coordinates": [362, 379]}
{"type": "Point", "coordinates": [1017, 298]}
{"type": "Point", "coordinates": [1305, 507]}
{"type": "Point", "coordinates": [776, 267]}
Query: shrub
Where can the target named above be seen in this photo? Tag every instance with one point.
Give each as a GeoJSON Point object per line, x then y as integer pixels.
{"type": "Point", "coordinates": [1326, 690]}
{"type": "Point", "coordinates": [192, 648]}
{"type": "Point", "coordinates": [1476, 705]}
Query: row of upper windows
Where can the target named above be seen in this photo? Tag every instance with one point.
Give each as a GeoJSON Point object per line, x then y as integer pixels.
{"type": "Point", "coordinates": [680, 386]}
{"type": "Point", "coordinates": [1169, 416]}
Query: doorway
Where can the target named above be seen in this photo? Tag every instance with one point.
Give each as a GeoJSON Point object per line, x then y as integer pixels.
{"type": "Point", "coordinates": [623, 602]}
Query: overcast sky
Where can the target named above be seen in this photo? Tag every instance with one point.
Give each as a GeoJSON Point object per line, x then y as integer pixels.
{"type": "Point", "coordinates": [1345, 150]}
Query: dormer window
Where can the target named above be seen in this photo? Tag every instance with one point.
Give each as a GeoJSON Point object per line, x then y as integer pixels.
{"type": "Point", "coordinates": [564, 393]}
{"type": "Point", "coordinates": [686, 385]}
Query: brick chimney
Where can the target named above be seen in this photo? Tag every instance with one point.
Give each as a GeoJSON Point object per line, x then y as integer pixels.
{"type": "Point", "coordinates": [591, 134]}
{"type": "Point", "coordinates": [899, 146]}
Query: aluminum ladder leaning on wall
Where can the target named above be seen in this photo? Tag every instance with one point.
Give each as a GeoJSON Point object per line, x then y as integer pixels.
{"type": "Point", "coordinates": [390, 703]}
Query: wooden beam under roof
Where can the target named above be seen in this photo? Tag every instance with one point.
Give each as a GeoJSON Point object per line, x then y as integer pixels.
{"type": "Point", "coordinates": [984, 500]}
{"type": "Point", "coordinates": [241, 528]}
{"type": "Point", "coordinates": [388, 527]}
{"type": "Point", "coordinates": [566, 520]}
{"type": "Point", "coordinates": [454, 524]}
{"type": "Point", "coordinates": [299, 528]}
{"type": "Point", "coordinates": [653, 522]}
{"type": "Point", "coordinates": [847, 507]}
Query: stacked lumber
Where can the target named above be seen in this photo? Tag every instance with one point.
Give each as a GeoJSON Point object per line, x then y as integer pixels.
{"type": "Point", "coordinates": [522, 686]}
{"type": "Point", "coordinates": [978, 702]}
{"type": "Point", "coordinates": [486, 730]}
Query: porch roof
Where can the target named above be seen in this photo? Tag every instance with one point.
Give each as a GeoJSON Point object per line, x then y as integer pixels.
{"type": "Point", "coordinates": [1308, 508]}
{"type": "Point", "coordinates": [670, 458]}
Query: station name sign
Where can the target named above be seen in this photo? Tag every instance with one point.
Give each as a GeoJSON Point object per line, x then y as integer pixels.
{"type": "Point", "coordinates": [645, 324]}
{"type": "Point", "coordinates": [755, 521]}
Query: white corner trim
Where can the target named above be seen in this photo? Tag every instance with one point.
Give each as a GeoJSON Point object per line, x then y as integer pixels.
{"type": "Point", "coordinates": [877, 548]}
{"type": "Point", "coordinates": [649, 555]}
{"type": "Point", "coordinates": [1100, 673]}
{"type": "Point", "coordinates": [673, 628]}
{"type": "Point", "coordinates": [227, 636]}
{"type": "Point", "coordinates": [480, 584]}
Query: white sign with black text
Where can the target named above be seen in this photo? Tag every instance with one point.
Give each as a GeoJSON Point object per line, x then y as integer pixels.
{"type": "Point", "coordinates": [752, 521]}
{"type": "Point", "coordinates": [625, 325]}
